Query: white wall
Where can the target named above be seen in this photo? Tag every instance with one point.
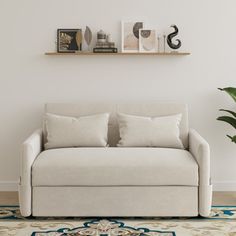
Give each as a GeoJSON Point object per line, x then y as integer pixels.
{"type": "Point", "coordinates": [28, 79]}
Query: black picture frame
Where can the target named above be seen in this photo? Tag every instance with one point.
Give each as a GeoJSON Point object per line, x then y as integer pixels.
{"type": "Point", "coordinates": [67, 41]}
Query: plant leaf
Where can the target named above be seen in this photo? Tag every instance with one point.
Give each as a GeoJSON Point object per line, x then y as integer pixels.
{"type": "Point", "coordinates": [228, 119]}
{"type": "Point", "coordinates": [231, 91]}
{"type": "Point", "coordinates": [88, 35]}
{"type": "Point", "coordinates": [233, 139]}
{"type": "Point", "coordinates": [231, 112]}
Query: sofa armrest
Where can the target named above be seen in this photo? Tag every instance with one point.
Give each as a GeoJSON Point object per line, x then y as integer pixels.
{"type": "Point", "coordinates": [30, 150]}
{"type": "Point", "coordinates": [200, 150]}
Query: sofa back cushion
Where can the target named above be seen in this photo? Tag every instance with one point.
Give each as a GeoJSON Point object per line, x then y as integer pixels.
{"type": "Point", "coordinates": [152, 109]}
{"type": "Point", "coordinates": [84, 131]}
{"type": "Point", "coordinates": [144, 131]}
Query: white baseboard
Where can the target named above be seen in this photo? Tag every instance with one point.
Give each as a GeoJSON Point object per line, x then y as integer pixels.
{"type": "Point", "coordinates": [224, 186]}
{"type": "Point", "coordinates": [217, 186]}
{"type": "Point", "coordinates": [8, 186]}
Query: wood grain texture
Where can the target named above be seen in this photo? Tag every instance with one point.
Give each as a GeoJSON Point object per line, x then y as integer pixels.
{"type": "Point", "coordinates": [119, 54]}
{"type": "Point", "coordinates": [9, 198]}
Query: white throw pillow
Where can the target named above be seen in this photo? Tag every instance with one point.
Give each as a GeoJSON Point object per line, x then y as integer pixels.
{"type": "Point", "coordinates": [86, 131]}
{"type": "Point", "coordinates": [139, 131]}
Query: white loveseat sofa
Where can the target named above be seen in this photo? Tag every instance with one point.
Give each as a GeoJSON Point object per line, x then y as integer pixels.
{"type": "Point", "coordinates": [115, 181]}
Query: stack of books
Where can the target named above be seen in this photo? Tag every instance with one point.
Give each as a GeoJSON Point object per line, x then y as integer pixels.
{"type": "Point", "coordinates": [105, 47]}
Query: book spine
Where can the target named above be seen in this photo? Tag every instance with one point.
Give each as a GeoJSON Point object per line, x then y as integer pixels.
{"type": "Point", "coordinates": [105, 45]}
{"type": "Point", "coordinates": [105, 50]}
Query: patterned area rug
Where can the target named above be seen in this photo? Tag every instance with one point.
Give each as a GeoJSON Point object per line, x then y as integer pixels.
{"type": "Point", "coordinates": [221, 222]}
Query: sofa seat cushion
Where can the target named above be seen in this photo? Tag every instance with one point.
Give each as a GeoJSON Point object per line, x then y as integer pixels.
{"type": "Point", "coordinates": [114, 167]}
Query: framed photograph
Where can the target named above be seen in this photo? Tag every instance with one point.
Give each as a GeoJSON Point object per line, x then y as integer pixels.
{"type": "Point", "coordinates": [147, 40]}
{"type": "Point", "coordinates": [69, 40]}
{"type": "Point", "coordinates": [130, 35]}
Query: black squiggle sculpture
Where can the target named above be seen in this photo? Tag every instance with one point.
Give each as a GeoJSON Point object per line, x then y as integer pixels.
{"type": "Point", "coordinates": [171, 36]}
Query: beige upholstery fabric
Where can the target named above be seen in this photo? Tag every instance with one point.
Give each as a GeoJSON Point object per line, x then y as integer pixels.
{"type": "Point", "coordinates": [118, 200]}
{"type": "Point", "coordinates": [114, 166]}
{"type": "Point", "coordinates": [115, 201]}
{"type": "Point", "coordinates": [201, 151]}
{"type": "Point", "coordinates": [152, 109]}
{"type": "Point", "coordinates": [84, 131]}
{"type": "Point", "coordinates": [30, 150]}
{"type": "Point", "coordinates": [143, 131]}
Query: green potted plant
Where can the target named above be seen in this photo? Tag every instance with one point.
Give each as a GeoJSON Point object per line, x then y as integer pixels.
{"type": "Point", "coordinates": [232, 118]}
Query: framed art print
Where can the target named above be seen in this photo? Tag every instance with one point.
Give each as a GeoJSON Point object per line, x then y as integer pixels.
{"type": "Point", "coordinates": [69, 40]}
{"type": "Point", "coordinates": [130, 35]}
{"type": "Point", "coordinates": [147, 40]}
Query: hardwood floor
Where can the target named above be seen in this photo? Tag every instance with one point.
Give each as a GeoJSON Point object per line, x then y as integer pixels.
{"type": "Point", "coordinates": [9, 198]}
{"type": "Point", "coordinates": [224, 198]}
{"type": "Point", "coordinates": [219, 198]}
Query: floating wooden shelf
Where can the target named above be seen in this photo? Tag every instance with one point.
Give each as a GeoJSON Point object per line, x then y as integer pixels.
{"type": "Point", "coordinates": [119, 54]}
